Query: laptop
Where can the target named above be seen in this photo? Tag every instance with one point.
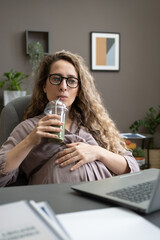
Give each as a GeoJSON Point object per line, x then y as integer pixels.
{"type": "Point", "coordinates": [139, 191]}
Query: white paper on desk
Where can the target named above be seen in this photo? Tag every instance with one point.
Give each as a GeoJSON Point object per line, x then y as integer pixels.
{"type": "Point", "coordinates": [111, 223]}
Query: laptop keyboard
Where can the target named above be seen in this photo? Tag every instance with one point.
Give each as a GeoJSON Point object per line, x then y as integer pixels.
{"type": "Point", "coordinates": [136, 193]}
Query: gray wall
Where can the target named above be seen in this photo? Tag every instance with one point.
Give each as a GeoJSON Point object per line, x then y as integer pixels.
{"type": "Point", "coordinates": [127, 94]}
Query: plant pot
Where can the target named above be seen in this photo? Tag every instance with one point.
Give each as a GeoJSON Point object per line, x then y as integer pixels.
{"type": "Point", "coordinates": [9, 95]}
{"type": "Point", "coordinates": [140, 161]}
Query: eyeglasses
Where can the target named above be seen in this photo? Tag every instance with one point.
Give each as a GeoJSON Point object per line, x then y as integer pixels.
{"type": "Point", "coordinates": [71, 82]}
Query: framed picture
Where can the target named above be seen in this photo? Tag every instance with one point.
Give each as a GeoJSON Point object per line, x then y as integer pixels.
{"type": "Point", "coordinates": [105, 51]}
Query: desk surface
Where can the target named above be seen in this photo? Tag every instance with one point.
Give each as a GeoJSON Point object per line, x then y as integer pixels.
{"type": "Point", "coordinates": [61, 198]}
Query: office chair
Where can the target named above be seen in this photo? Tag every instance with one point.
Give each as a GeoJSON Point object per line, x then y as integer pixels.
{"type": "Point", "coordinates": [10, 117]}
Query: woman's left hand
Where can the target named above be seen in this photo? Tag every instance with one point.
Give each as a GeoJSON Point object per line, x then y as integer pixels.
{"type": "Point", "coordinates": [77, 152]}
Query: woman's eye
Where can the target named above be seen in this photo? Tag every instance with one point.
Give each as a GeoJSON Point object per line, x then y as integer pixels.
{"type": "Point", "coordinates": [71, 81]}
{"type": "Point", "coordinates": [56, 79]}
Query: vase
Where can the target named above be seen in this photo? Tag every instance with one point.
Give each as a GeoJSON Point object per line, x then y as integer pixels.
{"type": "Point", "coordinates": [9, 95]}
{"type": "Point", "coordinates": [140, 161]}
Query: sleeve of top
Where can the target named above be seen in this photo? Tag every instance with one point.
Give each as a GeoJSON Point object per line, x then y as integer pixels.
{"type": "Point", "coordinates": [132, 163]}
{"type": "Point", "coordinates": [17, 135]}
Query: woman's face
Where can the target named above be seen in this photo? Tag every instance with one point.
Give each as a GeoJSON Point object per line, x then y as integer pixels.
{"type": "Point", "coordinates": [66, 94]}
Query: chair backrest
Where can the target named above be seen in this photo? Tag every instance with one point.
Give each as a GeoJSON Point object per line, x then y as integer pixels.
{"type": "Point", "coordinates": [11, 116]}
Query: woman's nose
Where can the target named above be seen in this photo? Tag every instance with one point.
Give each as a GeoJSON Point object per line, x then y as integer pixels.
{"type": "Point", "coordinates": [63, 85]}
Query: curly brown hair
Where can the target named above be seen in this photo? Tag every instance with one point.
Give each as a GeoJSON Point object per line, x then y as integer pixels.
{"type": "Point", "coordinates": [87, 108]}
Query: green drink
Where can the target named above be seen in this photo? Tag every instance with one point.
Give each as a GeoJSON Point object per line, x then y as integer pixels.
{"type": "Point", "coordinates": [60, 134]}
{"type": "Point", "coordinates": [60, 109]}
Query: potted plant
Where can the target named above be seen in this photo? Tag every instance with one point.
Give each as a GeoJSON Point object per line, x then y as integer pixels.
{"type": "Point", "coordinates": [36, 53]}
{"type": "Point", "coordinates": [12, 80]}
{"type": "Point", "coordinates": [150, 122]}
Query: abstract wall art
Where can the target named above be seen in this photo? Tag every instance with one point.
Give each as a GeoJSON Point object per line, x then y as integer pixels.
{"type": "Point", "coordinates": [105, 51]}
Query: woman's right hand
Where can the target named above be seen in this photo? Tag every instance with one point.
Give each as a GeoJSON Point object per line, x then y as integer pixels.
{"type": "Point", "coordinates": [46, 127]}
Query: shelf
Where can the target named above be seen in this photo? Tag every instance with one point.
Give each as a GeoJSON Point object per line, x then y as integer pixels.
{"type": "Point", "coordinates": [143, 138]}
{"type": "Point", "coordinates": [135, 136]}
{"type": "Point", "coordinates": [38, 36]}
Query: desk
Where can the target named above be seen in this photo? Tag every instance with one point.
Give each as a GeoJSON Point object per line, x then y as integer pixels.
{"type": "Point", "coordinates": [61, 198]}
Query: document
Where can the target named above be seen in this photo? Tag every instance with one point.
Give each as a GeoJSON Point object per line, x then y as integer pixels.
{"type": "Point", "coordinates": [111, 223]}
{"type": "Point", "coordinates": [29, 220]}
{"type": "Point", "coordinates": [52, 216]}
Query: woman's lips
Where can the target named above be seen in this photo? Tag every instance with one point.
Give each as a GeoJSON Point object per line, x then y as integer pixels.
{"type": "Point", "coordinates": [62, 97]}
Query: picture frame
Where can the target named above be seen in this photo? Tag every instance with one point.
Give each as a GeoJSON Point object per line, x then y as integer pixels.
{"type": "Point", "coordinates": [105, 51]}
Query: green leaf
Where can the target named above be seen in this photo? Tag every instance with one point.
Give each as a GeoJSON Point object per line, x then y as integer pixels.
{"type": "Point", "coordinates": [13, 80]}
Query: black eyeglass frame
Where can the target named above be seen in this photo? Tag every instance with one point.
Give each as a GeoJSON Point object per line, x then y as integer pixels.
{"type": "Point", "coordinates": [55, 74]}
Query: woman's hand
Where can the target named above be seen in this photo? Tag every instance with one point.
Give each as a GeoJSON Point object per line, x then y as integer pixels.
{"type": "Point", "coordinates": [82, 153]}
{"type": "Point", "coordinates": [77, 152]}
{"type": "Point", "coordinates": [46, 127]}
